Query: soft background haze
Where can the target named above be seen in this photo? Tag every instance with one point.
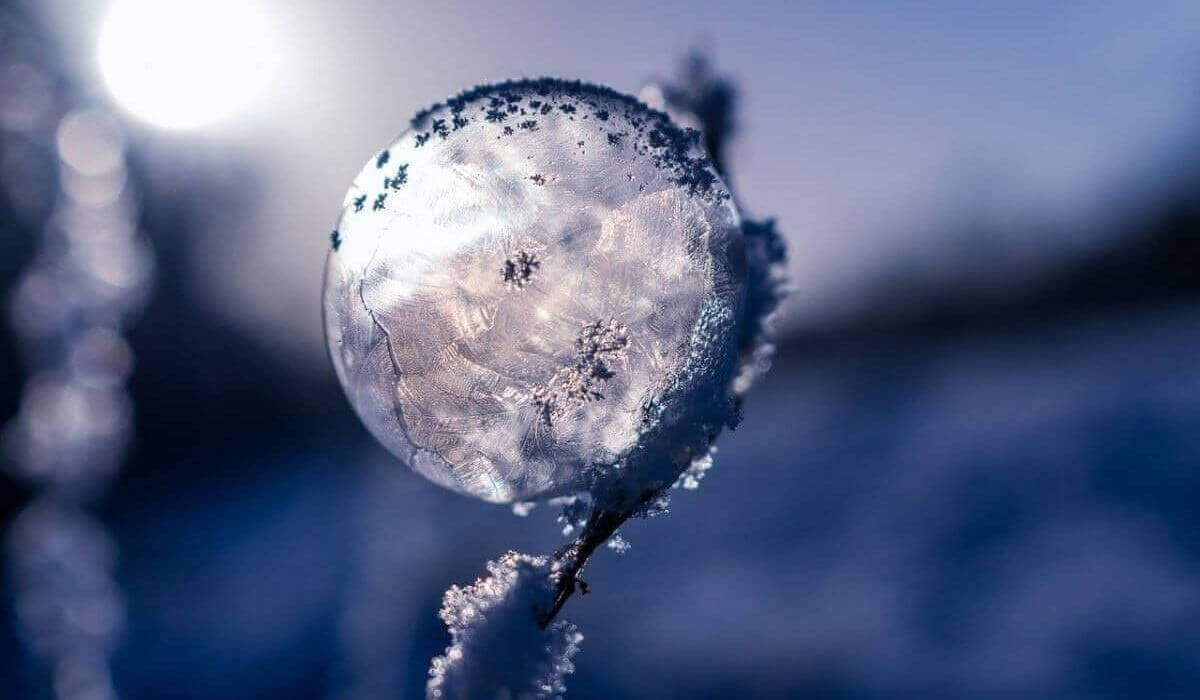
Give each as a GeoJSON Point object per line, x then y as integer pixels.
{"type": "Point", "coordinates": [973, 473]}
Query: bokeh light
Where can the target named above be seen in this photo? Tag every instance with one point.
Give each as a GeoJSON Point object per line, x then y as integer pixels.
{"type": "Point", "coordinates": [182, 64]}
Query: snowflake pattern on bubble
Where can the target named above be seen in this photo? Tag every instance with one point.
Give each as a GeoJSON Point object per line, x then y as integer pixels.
{"type": "Point", "coordinates": [533, 282]}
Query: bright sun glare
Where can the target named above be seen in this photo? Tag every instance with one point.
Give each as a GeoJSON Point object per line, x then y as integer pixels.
{"type": "Point", "coordinates": [181, 64]}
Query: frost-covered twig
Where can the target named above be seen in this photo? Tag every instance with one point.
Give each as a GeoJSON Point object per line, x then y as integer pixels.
{"type": "Point", "coordinates": [568, 563]}
{"type": "Point", "coordinates": [498, 648]}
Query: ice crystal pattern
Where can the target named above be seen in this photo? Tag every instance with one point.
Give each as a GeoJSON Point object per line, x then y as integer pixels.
{"type": "Point", "coordinates": [536, 282]}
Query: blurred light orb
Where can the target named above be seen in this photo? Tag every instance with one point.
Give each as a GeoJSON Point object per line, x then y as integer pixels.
{"type": "Point", "coordinates": [533, 285]}
{"type": "Point", "coordinates": [181, 64]}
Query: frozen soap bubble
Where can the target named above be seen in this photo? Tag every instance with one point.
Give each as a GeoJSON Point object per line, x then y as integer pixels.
{"type": "Point", "coordinates": [536, 291]}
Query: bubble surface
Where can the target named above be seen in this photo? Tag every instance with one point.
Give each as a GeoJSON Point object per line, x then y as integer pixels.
{"type": "Point", "coordinates": [526, 285]}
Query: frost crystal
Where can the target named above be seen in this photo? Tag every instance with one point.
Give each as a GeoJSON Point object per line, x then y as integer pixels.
{"type": "Point", "coordinates": [574, 513]}
{"type": "Point", "coordinates": [535, 285]}
{"type": "Point", "coordinates": [497, 648]}
{"type": "Point", "coordinates": [690, 478]}
{"type": "Point", "coordinates": [618, 544]}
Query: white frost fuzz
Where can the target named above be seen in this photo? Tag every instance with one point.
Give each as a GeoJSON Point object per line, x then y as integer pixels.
{"type": "Point", "coordinates": [497, 649]}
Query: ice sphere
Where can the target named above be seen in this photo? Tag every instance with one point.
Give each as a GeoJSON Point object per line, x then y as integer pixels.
{"type": "Point", "coordinates": [535, 286]}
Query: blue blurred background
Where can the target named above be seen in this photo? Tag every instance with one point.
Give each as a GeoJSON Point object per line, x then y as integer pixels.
{"type": "Point", "coordinates": [974, 471]}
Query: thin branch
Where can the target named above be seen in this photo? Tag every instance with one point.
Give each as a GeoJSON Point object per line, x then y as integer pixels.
{"type": "Point", "coordinates": [568, 562]}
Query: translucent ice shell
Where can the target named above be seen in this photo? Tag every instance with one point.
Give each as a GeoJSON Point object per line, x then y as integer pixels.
{"type": "Point", "coordinates": [536, 285]}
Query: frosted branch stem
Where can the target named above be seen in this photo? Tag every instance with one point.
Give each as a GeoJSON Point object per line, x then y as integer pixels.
{"type": "Point", "coordinates": [568, 562]}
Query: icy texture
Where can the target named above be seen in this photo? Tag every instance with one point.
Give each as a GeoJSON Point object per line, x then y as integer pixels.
{"type": "Point", "coordinates": [497, 648]}
{"type": "Point", "coordinates": [690, 478]}
{"type": "Point", "coordinates": [766, 255]}
{"type": "Point", "coordinates": [618, 544]}
{"type": "Point", "coordinates": [538, 290]}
